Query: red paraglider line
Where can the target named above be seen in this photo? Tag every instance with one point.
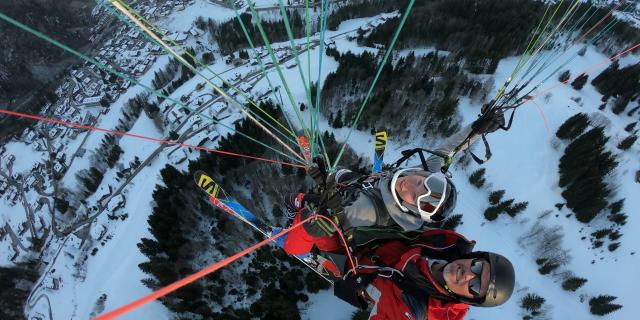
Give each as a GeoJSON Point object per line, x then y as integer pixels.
{"type": "Point", "coordinates": [613, 57]}
{"type": "Point", "coordinates": [82, 126]}
{"type": "Point", "coordinates": [210, 269]}
{"type": "Point", "coordinates": [599, 22]}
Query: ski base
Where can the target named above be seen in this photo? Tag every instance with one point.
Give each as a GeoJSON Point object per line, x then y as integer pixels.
{"type": "Point", "coordinates": [219, 198]}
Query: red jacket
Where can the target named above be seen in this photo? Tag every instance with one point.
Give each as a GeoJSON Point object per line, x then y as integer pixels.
{"type": "Point", "coordinates": [391, 302]}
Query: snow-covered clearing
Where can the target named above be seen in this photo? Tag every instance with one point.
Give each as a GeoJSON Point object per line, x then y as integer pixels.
{"type": "Point", "coordinates": [524, 163]}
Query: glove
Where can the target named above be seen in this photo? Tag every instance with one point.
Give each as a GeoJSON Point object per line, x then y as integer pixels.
{"type": "Point", "coordinates": [352, 290]}
{"type": "Point", "coordinates": [333, 201]}
{"type": "Point", "coordinates": [319, 172]}
{"type": "Point", "coordinates": [489, 122]}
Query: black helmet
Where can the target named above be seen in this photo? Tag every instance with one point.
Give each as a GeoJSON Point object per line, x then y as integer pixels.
{"type": "Point", "coordinates": [436, 204]}
{"type": "Point", "coordinates": [501, 282]}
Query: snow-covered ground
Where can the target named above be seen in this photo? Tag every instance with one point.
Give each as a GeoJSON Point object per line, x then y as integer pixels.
{"type": "Point", "coordinates": [524, 163]}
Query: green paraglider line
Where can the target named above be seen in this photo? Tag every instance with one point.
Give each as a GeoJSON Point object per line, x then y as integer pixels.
{"type": "Point", "coordinates": [323, 27]}
{"type": "Point", "coordinates": [375, 80]}
{"type": "Point", "coordinates": [125, 77]}
{"type": "Point", "coordinates": [134, 26]}
{"type": "Point", "coordinates": [276, 63]}
{"type": "Point", "coordinates": [221, 92]}
{"type": "Point", "coordinates": [261, 64]}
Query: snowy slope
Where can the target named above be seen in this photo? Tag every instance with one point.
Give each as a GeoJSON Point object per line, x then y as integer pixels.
{"type": "Point", "coordinates": [525, 163]}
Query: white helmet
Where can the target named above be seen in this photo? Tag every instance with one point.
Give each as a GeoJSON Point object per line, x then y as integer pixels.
{"type": "Point", "coordinates": [432, 206]}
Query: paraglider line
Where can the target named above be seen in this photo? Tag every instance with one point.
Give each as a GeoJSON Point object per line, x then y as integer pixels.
{"type": "Point", "coordinates": [210, 269]}
{"type": "Point", "coordinates": [601, 20]}
{"type": "Point", "coordinates": [585, 71]}
{"type": "Point", "coordinates": [546, 122]}
{"type": "Point", "coordinates": [82, 126]}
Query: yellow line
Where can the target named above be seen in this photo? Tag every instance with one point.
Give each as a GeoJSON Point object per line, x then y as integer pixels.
{"type": "Point", "coordinates": [156, 29]}
{"type": "Point", "coordinates": [119, 6]}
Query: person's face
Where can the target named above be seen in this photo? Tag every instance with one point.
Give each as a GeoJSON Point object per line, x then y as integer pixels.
{"type": "Point", "coordinates": [458, 275]}
{"type": "Point", "coordinates": [410, 187]}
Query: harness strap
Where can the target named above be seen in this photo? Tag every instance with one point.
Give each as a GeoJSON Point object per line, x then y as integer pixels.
{"type": "Point", "coordinates": [382, 214]}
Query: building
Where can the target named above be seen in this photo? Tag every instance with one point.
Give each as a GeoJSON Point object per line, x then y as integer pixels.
{"type": "Point", "coordinates": [92, 101]}
{"type": "Point", "coordinates": [58, 169]}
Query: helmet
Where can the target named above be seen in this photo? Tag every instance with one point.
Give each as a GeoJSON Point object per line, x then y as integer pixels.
{"type": "Point", "coordinates": [501, 282]}
{"type": "Point", "coordinates": [436, 204]}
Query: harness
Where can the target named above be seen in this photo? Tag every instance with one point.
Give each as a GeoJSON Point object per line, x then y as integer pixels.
{"type": "Point", "coordinates": [365, 185]}
{"type": "Point", "coordinates": [409, 278]}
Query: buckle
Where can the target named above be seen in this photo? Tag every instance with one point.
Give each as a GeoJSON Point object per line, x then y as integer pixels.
{"type": "Point", "coordinates": [367, 185]}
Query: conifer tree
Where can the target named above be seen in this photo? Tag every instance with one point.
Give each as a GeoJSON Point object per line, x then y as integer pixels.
{"type": "Point", "coordinates": [602, 305]}
{"type": "Point", "coordinates": [619, 105]}
{"type": "Point", "coordinates": [573, 126]}
{"type": "Point", "coordinates": [337, 121]}
{"type": "Point", "coordinates": [516, 208]}
{"type": "Point", "coordinates": [548, 267]}
{"type": "Point", "coordinates": [564, 76]}
{"type": "Point", "coordinates": [580, 81]}
{"type": "Point", "coordinates": [492, 213]}
{"type": "Point", "coordinates": [573, 283]}
{"type": "Point", "coordinates": [615, 81]}
{"type": "Point", "coordinates": [496, 196]}
{"type": "Point", "coordinates": [452, 222]}
{"type": "Point", "coordinates": [477, 178]}
{"type": "Point", "coordinates": [583, 167]}
{"type": "Point", "coordinates": [627, 142]}
{"type": "Point", "coordinates": [532, 302]}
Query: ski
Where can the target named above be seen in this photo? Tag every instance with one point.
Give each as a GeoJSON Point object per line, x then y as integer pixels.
{"type": "Point", "coordinates": [380, 145]}
{"type": "Point", "coordinates": [219, 198]}
{"type": "Point", "coordinates": [304, 144]}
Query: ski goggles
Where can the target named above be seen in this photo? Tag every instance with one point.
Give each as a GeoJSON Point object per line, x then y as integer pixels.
{"type": "Point", "coordinates": [430, 203]}
{"type": "Point", "coordinates": [475, 285]}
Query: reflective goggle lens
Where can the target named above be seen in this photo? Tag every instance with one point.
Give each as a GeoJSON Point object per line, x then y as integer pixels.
{"type": "Point", "coordinates": [476, 283]}
{"type": "Point", "coordinates": [431, 201]}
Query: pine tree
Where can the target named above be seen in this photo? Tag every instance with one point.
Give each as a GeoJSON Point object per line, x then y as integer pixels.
{"type": "Point", "coordinates": [615, 235]}
{"type": "Point", "coordinates": [618, 218]}
{"type": "Point", "coordinates": [477, 178]}
{"type": "Point", "coordinates": [337, 122]}
{"type": "Point", "coordinates": [492, 213]}
{"type": "Point", "coordinates": [548, 267]}
{"type": "Point", "coordinates": [16, 282]}
{"type": "Point", "coordinates": [619, 105]}
{"type": "Point", "coordinates": [583, 168]}
{"type": "Point", "coordinates": [599, 234]}
{"type": "Point", "coordinates": [564, 76]}
{"type": "Point", "coordinates": [580, 81]}
{"type": "Point", "coordinates": [617, 206]}
{"type": "Point", "coordinates": [630, 127]}
{"type": "Point", "coordinates": [114, 155]}
{"type": "Point", "coordinates": [573, 283]}
{"type": "Point", "coordinates": [573, 126]}
{"type": "Point", "coordinates": [452, 222]}
{"type": "Point", "coordinates": [516, 208]}
{"type": "Point", "coordinates": [532, 302]}
{"type": "Point", "coordinates": [496, 196]}
{"type": "Point", "coordinates": [627, 142]}
{"type": "Point", "coordinates": [602, 305]}
{"type": "Point", "coordinates": [622, 83]}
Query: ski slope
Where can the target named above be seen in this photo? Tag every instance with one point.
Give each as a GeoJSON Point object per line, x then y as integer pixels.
{"type": "Point", "coordinates": [524, 163]}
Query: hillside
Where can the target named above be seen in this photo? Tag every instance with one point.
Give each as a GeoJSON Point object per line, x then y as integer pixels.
{"type": "Point", "coordinates": [100, 213]}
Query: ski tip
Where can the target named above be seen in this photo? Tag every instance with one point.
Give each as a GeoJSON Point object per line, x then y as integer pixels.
{"type": "Point", "coordinates": [197, 175]}
{"type": "Point", "coordinates": [206, 183]}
